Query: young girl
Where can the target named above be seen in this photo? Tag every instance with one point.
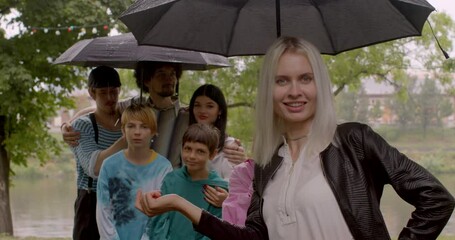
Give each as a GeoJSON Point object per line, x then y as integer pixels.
{"type": "Point", "coordinates": [122, 174]}
{"type": "Point", "coordinates": [199, 146]}
{"type": "Point", "coordinates": [208, 106]}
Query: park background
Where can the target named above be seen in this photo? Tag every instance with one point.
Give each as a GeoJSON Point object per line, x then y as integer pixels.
{"type": "Point", "coordinates": [404, 89]}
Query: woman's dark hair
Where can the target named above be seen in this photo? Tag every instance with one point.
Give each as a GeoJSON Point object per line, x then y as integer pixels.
{"type": "Point", "coordinates": [146, 69]}
{"type": "Point", "coordinates": [214, 93]}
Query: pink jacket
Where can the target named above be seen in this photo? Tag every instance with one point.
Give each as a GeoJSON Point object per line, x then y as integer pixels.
{"type": "Point", "coordinates": [240, 191]}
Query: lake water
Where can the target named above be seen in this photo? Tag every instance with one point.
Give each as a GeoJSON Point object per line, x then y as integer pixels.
{"type": "Point", "coordinates": [44, 208]}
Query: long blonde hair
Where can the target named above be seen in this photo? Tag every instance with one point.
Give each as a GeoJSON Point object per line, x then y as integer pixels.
{"type": "Point", "coordinates": [269, 126]}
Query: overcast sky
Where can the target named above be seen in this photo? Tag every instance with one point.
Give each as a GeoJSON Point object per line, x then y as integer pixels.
{"type": "Point", "coordinates": [447, 6]}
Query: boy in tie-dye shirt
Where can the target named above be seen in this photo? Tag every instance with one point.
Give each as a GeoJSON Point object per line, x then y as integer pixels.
{"type": "Point", "coordinates": [122, 174]}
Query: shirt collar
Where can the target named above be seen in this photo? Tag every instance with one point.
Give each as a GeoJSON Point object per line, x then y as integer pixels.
{"type": "Point", "coordinates": [175, 105]}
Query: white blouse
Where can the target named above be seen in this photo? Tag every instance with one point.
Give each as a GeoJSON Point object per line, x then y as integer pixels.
{"type": "Point", "coordinates": [305, 207]}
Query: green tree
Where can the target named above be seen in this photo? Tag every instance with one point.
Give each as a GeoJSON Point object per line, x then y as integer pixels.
{"type": "Point", "coordinates": [428, 102]}
{"type": "Point", "coordinates": [375, 111]}
{"type": "Point", "coordinates": [389, 62]}
{"type": "Point", "coordinates": [362, 106]}
{"type": "Point", "coordinates": [352, 105]}
{"type": "Point", "coordinates": [403, 104]}
{"type": "Point", "coordinates": [31, 88]}
{"type": "Point", "coordinates": [445, 110]}
{"type": "Point", "coordinates": [346, 103]}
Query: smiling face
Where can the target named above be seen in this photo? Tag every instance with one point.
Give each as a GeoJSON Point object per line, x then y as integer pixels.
{"type": "Point", "coordinates": [205, 110]}
{"type": "Point", "coordinates": [196, 155]}
{"type": "Point", "coordinates": [294, 93]}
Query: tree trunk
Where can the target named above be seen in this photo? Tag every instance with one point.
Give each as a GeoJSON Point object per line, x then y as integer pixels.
{"type": "Point", "coordinates": [6, 221]}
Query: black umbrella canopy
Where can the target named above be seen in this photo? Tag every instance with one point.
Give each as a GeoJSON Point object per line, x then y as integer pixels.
{"type": "Point", "coordinates": [122, 51]}
{"type": "Point", "coordinates": [249, 27]}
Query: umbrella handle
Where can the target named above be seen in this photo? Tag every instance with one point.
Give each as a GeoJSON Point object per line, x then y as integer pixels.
{"type": "Point", "coordinates": [142, 84]}
{"type": "Point", "coordinates": [278, 18]}
{"type": "Point", "coordinates": [446, 55]}
{"type": "Point", "coordinates": [177, 88]}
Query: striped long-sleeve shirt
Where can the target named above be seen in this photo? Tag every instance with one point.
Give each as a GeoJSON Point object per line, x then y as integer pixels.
{"type": "Point", "coordinates": [88, 150]}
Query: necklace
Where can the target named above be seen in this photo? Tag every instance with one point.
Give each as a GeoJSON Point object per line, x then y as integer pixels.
{"type": "Point", "coordinates": [297, 138]}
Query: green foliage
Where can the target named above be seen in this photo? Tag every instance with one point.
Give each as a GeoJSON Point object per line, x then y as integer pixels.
{"type": "Point", "coordinates": [239, 84]}
{"type": "Point", "coordinates": [129, 86]}
{"type": "Point", "coordinates": [427, 103]}
{"type": "Point", "coordinates": [31, 88]}
{"type": "Point", "coordinates": [423, 105]}
{"type": "Point", "coordinates": [346, 102]}
{"type": "Point", "coordinates": [376, 111]}
{"type": "Point", "coordinates": [445, 108]}
{"type": "Point", "coordinates": [389, 133]}
{"type": "Point", "coordinates": [388, 62]}
{"type": "Point", "coordinates": [436, 162]}
{"type": "Point", "coordinates": [353, 105]}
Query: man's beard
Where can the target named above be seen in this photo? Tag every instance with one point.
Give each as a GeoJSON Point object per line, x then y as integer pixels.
{"type": "Point", "coordinates": [166, 94]}
{"type": "Point", "coordinates": [167, 91]}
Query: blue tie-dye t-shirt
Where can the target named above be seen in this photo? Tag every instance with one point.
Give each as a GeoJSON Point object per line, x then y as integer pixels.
{"type": "Point", "coordinates": [118, 182]}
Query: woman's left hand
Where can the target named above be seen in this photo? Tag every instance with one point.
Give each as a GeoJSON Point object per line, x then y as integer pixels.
{"type": "Point", "coordinates": [215, 196]}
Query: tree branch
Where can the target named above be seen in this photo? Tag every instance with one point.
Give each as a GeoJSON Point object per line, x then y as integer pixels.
{"type": "Point", "coordinates": [241, 104]}
{"type": "Point", "coordinates": [339, 89]}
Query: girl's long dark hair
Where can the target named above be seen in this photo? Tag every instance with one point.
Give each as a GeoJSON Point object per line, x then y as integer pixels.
{"type": "Point", "coordinates": [214, 93]}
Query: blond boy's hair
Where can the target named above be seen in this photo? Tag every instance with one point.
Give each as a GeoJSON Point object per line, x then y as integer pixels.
{"type": "Point", "coordinates": [140, 112]}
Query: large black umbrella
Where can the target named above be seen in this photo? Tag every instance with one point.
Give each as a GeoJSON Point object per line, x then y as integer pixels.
{"type": "Point", "coordinates": [248, 27]}
{"type": "Point", "coordinates": [122, 51]}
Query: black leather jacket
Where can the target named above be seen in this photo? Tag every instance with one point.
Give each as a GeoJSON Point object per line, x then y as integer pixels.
{"type": "Point", "coordinates": [357, 164]}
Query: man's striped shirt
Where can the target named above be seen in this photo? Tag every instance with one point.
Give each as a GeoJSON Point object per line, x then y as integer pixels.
{"type": "Point", "coordinates": [88, 150]}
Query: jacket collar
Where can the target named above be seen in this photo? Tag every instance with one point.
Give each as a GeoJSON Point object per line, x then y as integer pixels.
{"type": "Point", "coordinates": [263, 175]}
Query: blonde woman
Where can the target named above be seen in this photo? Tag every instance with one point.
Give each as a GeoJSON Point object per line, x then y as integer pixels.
{"type": "Point", "coordinates": [315, 179]}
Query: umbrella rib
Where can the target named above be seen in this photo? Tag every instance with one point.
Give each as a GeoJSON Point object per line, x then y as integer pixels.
{"type": "Point", "coordinates": [323, 22]}
{"type": "Point", "coordinates": [278, 18]}
{"type": "Point", "coordinates": [233, 27]}
{"type": "Point", "coordinates": [151, 26]}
